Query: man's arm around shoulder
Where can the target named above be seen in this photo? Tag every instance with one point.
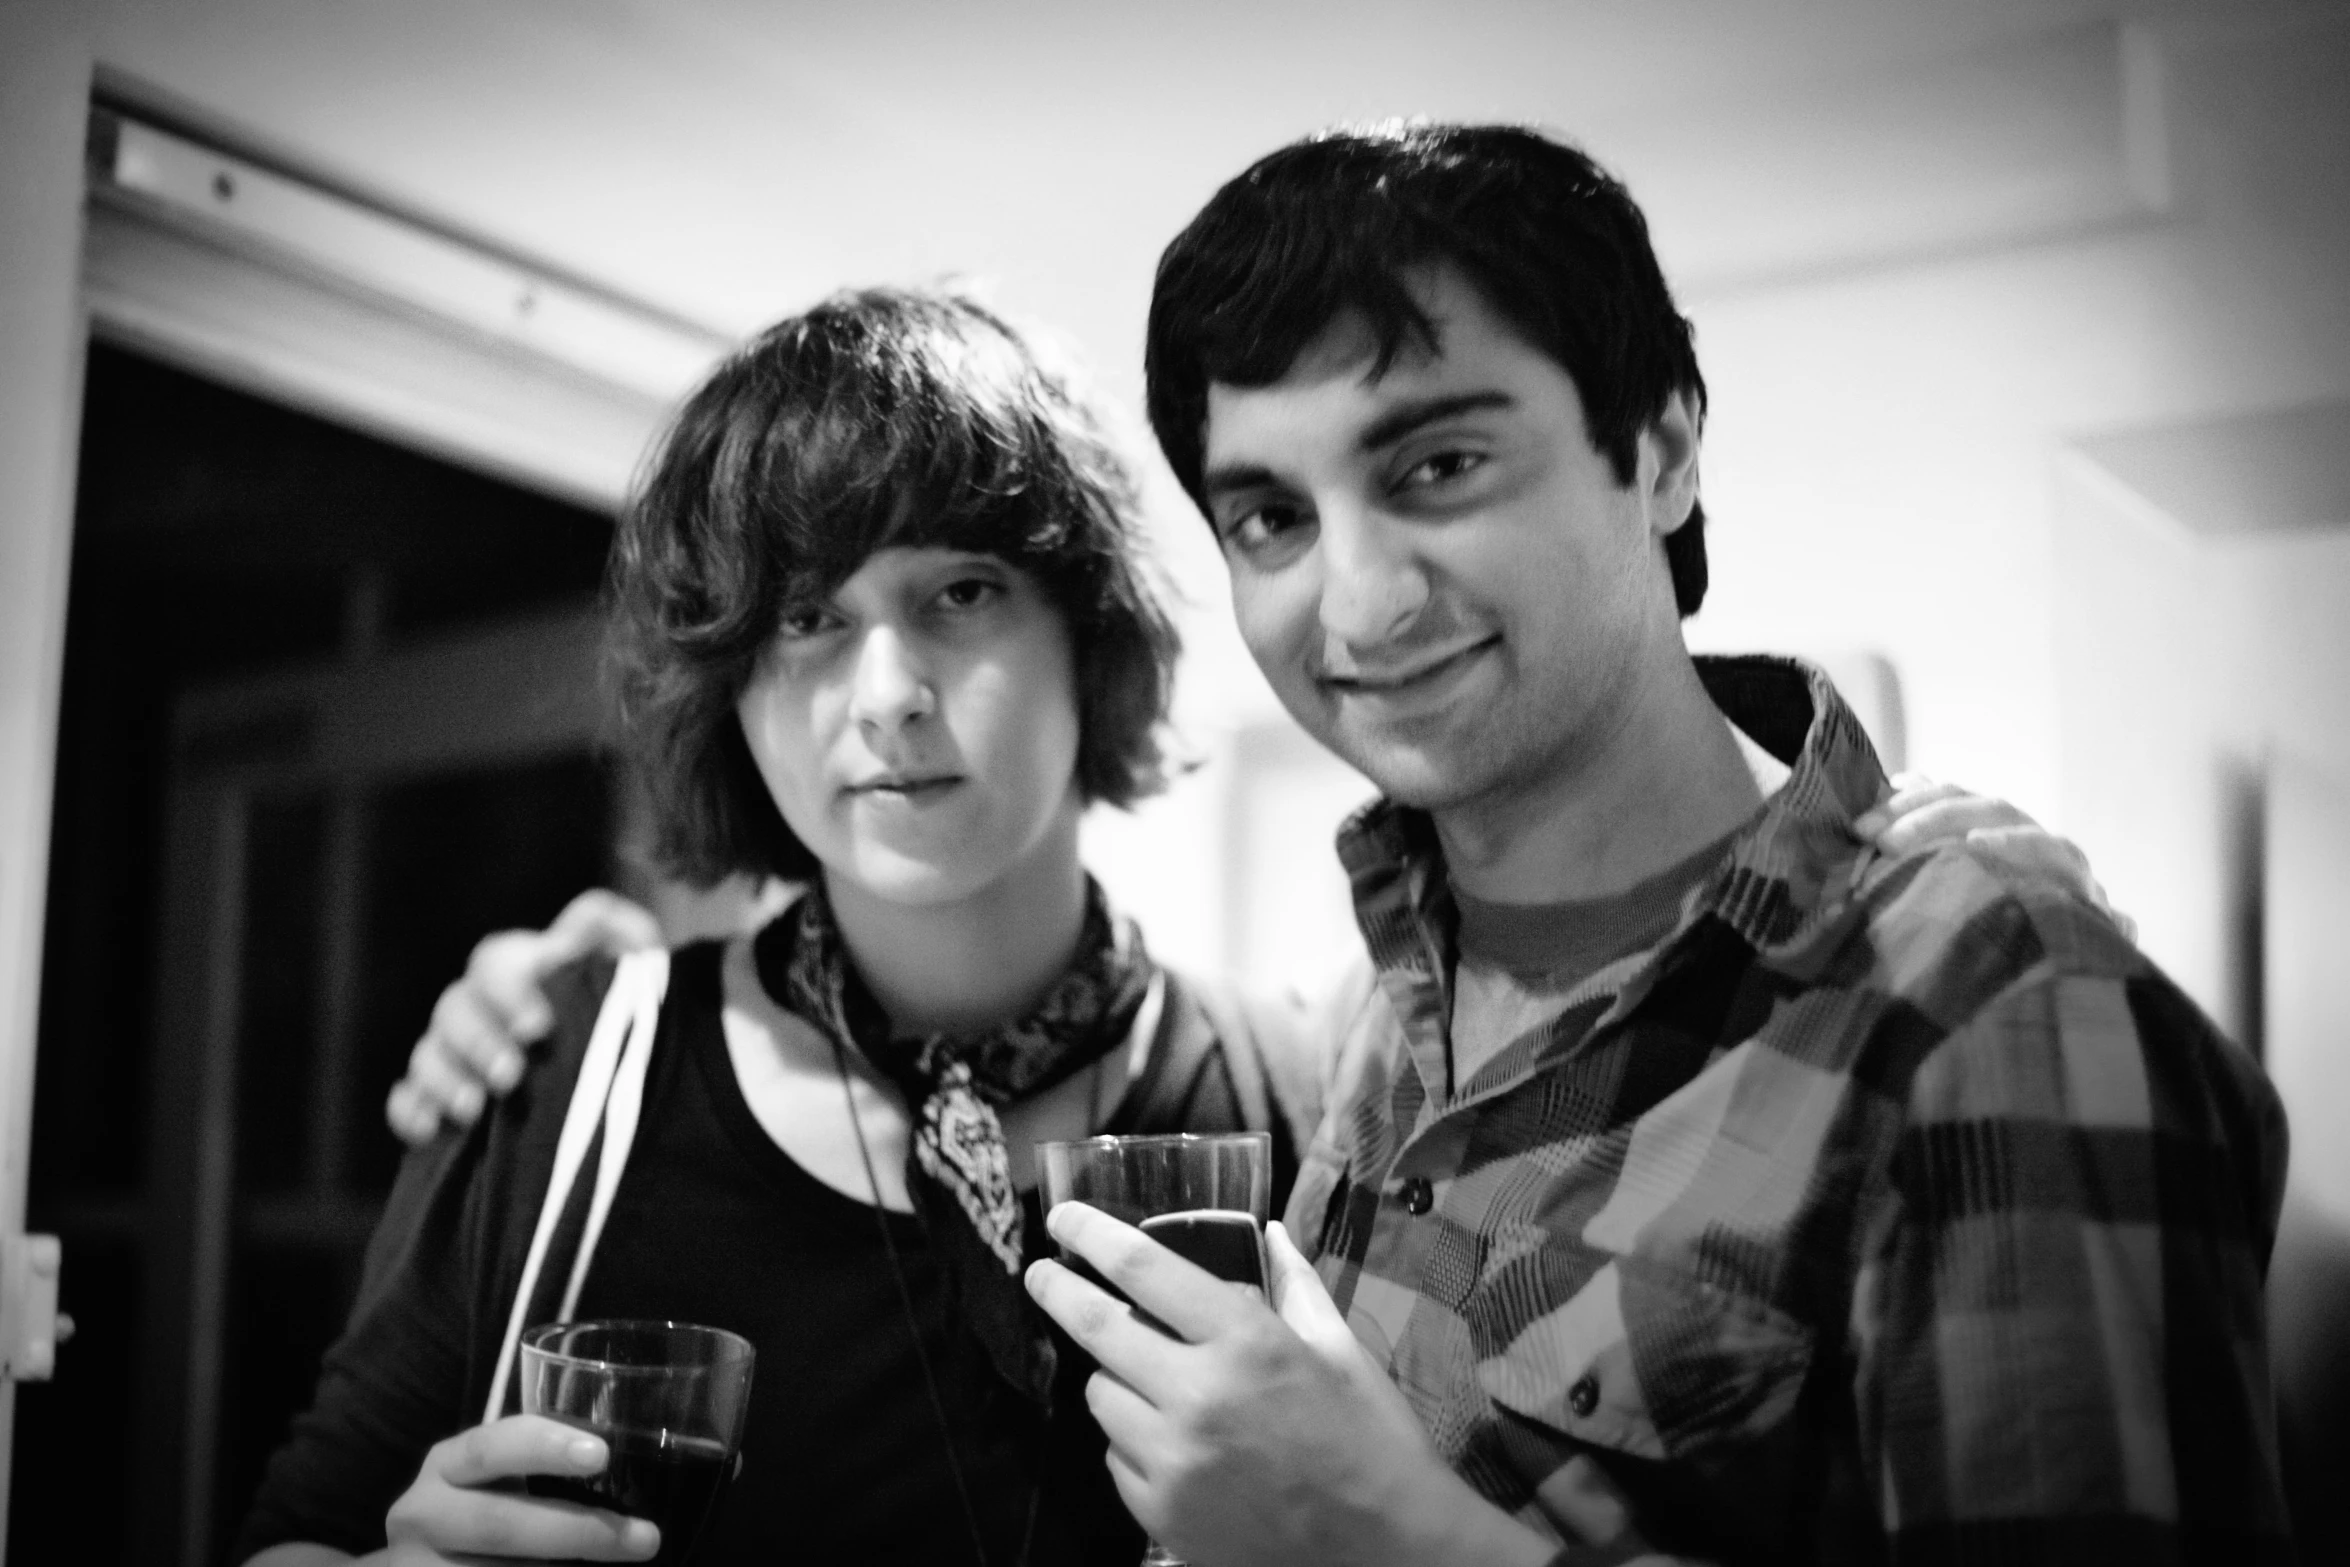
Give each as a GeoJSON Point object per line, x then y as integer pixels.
{"type": "Point", "coordinates": [2060, 1328]}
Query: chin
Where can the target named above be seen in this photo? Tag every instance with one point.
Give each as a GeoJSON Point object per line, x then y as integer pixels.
{"type": "Point", "coordinates": [1424, 777]}
{"type": "Point", "coordinates": [914, 883]}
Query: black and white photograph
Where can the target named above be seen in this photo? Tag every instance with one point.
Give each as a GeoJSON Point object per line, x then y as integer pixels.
{"type": "Point", "coordinates": [1517, 783]}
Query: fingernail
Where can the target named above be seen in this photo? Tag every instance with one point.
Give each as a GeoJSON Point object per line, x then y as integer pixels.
{"type": "Point", "coordinates": [467, 1101]}
{"type": "Point", "coordinates": [1869, 823]}
{"type": "Point", "coordinates": [506, 1070]}
{"type": "Point", "coordinates": [640, 1536]}
{"type": "Point", "coordinates": [530, 1022]}
{"type": "Point", "coordinates": [1033, 1278]}
{"type": "Point", "coordinates": [585, 1452]}
{"type": "Point", "coordinates": [1057, 1222]}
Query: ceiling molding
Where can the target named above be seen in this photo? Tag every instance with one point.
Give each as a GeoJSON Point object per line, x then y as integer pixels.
{"type": "Point", "coordinates": [2278, 472]}
{"type": "Point", "coordinates": [2049, 138]}
{"type": "Point", "coordinates": [236, 265]}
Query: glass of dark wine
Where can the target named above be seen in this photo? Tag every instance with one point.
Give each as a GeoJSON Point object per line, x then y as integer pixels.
{"type": "Point", "coordinates": [1202, 1195]}
{"type": "Point", "coordinates": [668, 1400]}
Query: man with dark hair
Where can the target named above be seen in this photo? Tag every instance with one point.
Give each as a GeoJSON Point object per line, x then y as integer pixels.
{"type": "Point", "coordinates": [1693, 1176]}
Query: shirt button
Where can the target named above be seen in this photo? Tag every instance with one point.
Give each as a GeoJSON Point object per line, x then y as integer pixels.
{"type": "Point", "coordinates": [1418, 1196]}
{"type": "Point", "coordinates": [1583, 1397]}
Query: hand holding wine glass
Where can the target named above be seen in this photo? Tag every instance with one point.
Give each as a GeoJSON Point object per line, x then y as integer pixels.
{"type": "Point", "coordinates": [1255, 1431]}
{"type": "Point", "coordinates": [1203, 1197]}
{"type": "Point", "coordinates": [666, 1399]}
{"type": "Point", "coordinates": [462, 1505]}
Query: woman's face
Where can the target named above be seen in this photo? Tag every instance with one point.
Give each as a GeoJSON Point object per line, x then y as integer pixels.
{"type": "Point", "coordinates": [918, 729]}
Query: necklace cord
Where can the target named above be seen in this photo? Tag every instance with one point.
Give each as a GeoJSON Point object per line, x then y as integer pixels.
{"type": "Point", "coordinates": [897, 1273]}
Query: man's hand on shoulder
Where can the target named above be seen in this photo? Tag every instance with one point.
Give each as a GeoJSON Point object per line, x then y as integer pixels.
{"type": "Point", "coordinates": [483, 1023]}
{"type": "Point", "coordinates": [1919, 812]}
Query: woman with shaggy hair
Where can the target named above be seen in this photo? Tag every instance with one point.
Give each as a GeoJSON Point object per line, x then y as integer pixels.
{"type": "Point", "coordinates": [880, 632]}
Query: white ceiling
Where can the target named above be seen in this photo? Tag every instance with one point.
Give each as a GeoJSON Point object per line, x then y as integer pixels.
{"type": "Point", "coordinates": [734, 158]}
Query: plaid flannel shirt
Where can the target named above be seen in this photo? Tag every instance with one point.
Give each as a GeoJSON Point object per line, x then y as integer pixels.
{"type": "Point", "coordinates": [1888, 1209]}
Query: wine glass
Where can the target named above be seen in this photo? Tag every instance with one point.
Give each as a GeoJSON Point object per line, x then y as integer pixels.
{"type": "Point", "coordinates": [668, 1400]}
{"type": "Point", "coordinates": [1202, 1195]}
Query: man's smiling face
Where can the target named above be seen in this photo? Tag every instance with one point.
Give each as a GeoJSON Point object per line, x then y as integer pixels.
{"type": "Point", "coordinates": [1440, 576]}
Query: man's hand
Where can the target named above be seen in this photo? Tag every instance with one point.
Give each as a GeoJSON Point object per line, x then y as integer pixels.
{"type": "Point", "coordinates": [1918, 812]}
{"type": "Point", "coordinates": [474, 1044]}
{"type": "Point", "coordinates": [448, 1515]}
{"type": "Point", "coordinates": [1261, 1434]}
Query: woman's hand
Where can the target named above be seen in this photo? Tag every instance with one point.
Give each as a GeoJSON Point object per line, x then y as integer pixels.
{"type": "Point", "coordinates": [451, 1514]}
{"type": "Point", "coordinates": [1918, 813]}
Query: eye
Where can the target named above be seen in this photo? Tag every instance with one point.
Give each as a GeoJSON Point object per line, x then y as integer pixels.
{"type": "Point", "coordinates": [970, 593]}
{"type": "Point", "coordinates": [798, 622]}
{"type": "Point", "coordinates": [1260, 527]}
{"type": "Point", "coordinates": [1440, 467]}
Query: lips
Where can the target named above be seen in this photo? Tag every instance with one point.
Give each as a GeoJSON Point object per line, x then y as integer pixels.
{"type": "Point", "coordinates": [908, 786]}
{"type": "Point", "coordinates": [1384, 679]}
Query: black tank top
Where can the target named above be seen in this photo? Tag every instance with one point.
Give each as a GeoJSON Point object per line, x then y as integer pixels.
{"type": "Point", "coordinates": [844, 1455]}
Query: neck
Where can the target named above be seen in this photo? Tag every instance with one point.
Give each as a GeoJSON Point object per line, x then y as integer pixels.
{"type": "Point", "coordinates": [1649, 783]}
{"type": "Point", "coordinates": [969, 965]}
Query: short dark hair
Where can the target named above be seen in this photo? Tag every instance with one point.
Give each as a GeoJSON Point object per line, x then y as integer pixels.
{"type": "Point", "coordinates": [1338, 221]}
{"type": "Point", "coordinates": [881, 418]}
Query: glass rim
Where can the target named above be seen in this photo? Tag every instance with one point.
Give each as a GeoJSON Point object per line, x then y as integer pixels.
{"type": "Point", "coordinates": [532, 1341]}
{"type": "Point", "coordinates": [1153, 1139]}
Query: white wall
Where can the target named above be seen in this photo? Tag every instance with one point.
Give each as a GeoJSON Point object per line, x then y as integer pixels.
{"type": "Point", "coordinates": [1902, 458]}
{"type": "Point", "coordinates": [1889, 458]}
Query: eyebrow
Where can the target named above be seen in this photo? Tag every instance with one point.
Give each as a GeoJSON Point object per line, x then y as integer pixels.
{"type": "Point", "coordinates": [1233, 477]}
{"type": "Point", "coordinates": [1400, 421]}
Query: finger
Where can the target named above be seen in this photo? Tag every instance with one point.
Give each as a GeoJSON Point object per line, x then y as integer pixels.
{"type": "Point", "coordinates": [412, 1120]}
{"type": "Point", "coordinates": [435, 1077]}
{"type": "Point", "coordinates": [508, 969]}
{"type": "Point", "coordinates": [518, 1445]}
{"type": "Point", "coordinates": [1298, 1293]}
{"type": "Point", "coordinates": [506, 977]}
{"type": "Point", "coordinates": [1108, 1329]}
{"type": "Point", "coordinates": [2040, 852]}
{"type": "Point", "coordinates": [477, 1036]}
{"type": "Point", "coordinates": [1947, 820]}
{"type": "Point", "coordinates": [1134, 1425]}
{"type": "Point", "coordinates": [1186, 1297]}
{"type": "Point", "coordinates": [1135, 1492]}
{"type": "Point", "coordinates": [1904, 792]}
{"type": "Point", "coordinates": [598, 921]}
{"type": "Point", "coordinates": [1580, 1494]}
{"type": "Point", "coordinates": [500, 1526]}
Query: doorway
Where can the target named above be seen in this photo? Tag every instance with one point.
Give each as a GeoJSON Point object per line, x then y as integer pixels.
{"type": "Point", "coordinates": [329, 714]}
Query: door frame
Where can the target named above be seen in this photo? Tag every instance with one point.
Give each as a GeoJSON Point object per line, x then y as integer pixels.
{"type": "Point", "coordinates": [80, 255]}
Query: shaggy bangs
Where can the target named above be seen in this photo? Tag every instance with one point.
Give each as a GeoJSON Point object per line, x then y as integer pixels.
{"type": "Point", "coordinates": [880, 419]}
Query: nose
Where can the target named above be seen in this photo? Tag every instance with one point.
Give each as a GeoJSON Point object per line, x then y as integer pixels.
{"type": "Point", "coordinates": [891, 687]}
{"type": "Point", "coordinates": [1373, 584]}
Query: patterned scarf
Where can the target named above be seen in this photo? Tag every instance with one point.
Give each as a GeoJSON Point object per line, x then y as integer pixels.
{"type": "Point", "coordinates": [959, 1172]}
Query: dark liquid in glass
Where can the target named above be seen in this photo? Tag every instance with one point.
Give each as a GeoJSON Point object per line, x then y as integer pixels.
{"type": "Point", "coordinates": [1225, 1242]}
{"type": "Point", "coordinates": [672, 1480]}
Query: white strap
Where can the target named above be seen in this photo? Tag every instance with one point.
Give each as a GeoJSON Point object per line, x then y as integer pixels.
{"type": "Point", "coordinates": [1145, 1029]}
{"type": "Point", "coordinates": [620, 1118]}
{"type": "Point", "coordinates": [637, 988]}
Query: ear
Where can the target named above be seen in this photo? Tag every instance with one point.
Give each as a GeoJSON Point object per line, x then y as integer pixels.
{"type": "Point", "coordinates": [1668, 463]}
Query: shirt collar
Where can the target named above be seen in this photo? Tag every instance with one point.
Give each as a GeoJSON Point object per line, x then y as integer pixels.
{"type": "Point", "coordinates": [1773, 877]}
